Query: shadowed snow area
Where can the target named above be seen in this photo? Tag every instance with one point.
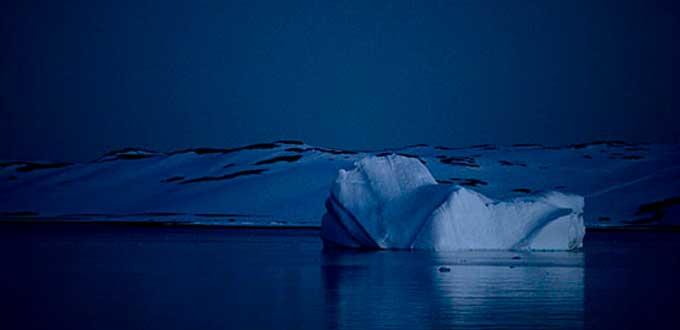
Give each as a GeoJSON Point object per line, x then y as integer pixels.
{"type": "Point", "coordinates": [393, 202]}
{"type": "Point", "coordinates": [286, 183]}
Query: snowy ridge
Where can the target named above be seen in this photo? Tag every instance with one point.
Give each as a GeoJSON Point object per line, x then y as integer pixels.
{"type": "Point", "coordinates": [286, 183]}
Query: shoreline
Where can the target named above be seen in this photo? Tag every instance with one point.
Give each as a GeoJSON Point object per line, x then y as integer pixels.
{"type": "Point", "coordinates": [241, 226]}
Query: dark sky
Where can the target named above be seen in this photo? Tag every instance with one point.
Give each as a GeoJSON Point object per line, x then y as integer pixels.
{"type": "Point", "coordinates": [78, 78]}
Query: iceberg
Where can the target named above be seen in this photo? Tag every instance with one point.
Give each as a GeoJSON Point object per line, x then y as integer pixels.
{"type": "Point", "coordinates": [394, 202]}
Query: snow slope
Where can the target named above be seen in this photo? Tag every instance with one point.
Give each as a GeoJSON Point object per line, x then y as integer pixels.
{"type": "Point", "coordinates": [285, 183]}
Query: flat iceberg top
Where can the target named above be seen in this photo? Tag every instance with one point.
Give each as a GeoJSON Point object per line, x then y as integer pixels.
{"type": "Point", "coordinates": [393, 202]}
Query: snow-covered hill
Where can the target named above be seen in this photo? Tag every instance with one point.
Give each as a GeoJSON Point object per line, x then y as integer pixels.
{"type": "Point", "coordinates": [285, 183]}
{"type": "Point", "coordinates": [394, 202]}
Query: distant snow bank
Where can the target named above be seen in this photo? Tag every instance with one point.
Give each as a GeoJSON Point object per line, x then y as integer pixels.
{"type": "Point", "coordinates": [285, 183]}
{"type": "Point", "coordinates": [394, 202]}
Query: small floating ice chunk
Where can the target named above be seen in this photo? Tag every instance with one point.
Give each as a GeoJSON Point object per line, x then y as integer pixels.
{"type": "Point", "coordinates": [393, 202]}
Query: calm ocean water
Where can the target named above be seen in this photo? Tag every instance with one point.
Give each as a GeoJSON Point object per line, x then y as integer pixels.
{"type": "Point", "coordinates": [57, 276]}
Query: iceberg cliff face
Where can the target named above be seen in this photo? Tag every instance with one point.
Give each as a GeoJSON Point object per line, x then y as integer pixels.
{"type": "Point", "coordinates": [393, 202]}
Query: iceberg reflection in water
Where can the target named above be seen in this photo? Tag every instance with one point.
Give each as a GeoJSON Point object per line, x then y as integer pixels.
{"type": "Point", "coordinates": [61, 276]}
{"type": "Point", "coordinates": [426, 290]}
